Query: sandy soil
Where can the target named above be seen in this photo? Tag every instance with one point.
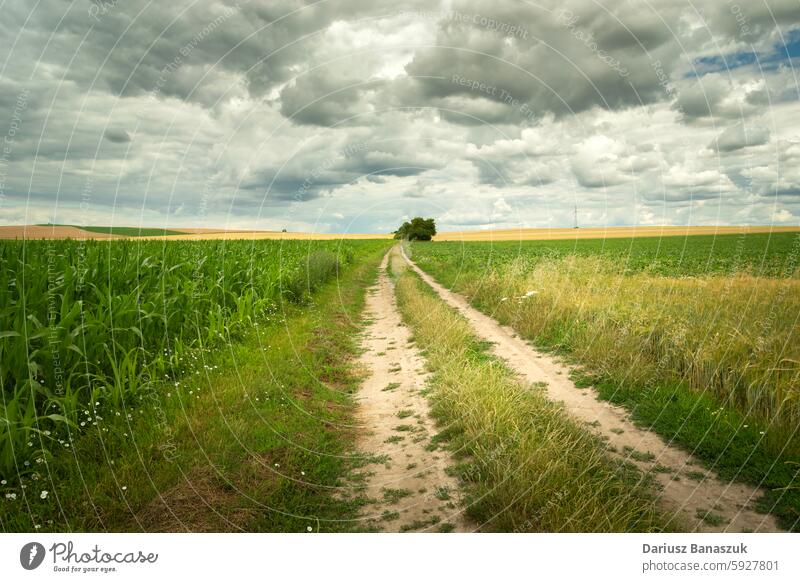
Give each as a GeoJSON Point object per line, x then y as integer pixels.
{"type": "Point", "coordinates": [610, 232]}
{"type": "Point", "coordinates": [686, 489]}
{"type": "Point", "coordinates": [409, 486]}
{"type": "Point", "coordinates": [50, 232]}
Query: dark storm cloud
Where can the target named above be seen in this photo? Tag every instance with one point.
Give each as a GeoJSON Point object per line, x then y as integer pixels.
{"type": "Point", "coordinates": [127, 47]}
{"type": "Point", "coordinates": [576, 56]}
{"type": "Point", "coordinates": [307, 177]}
{"type": "Point", "coordinates": [278, 184]}
{"type": "Point", "coordinates": [702, 98]}
{"type": "Point", "coordinates": [750, 21]}
{"type": "Point", "coordinates": [739, 136]}
{"type": "Point", "coordinates": [631, 30]}
{"type": "Point", "coordinates": [680, 195]}
{"type": "Point", "coordinates": [718, 97]}
{"type": "Point", "coordinates": [326, 98]}
{"type": "Point", "coordinates": [580, 55]}
{"type": "Point", "coordinates": [383, 160]}
{"type": "Point", "coordinates": [117, 135]}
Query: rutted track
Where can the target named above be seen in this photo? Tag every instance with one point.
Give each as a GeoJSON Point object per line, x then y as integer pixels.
{"type": "Point", "coordinates": [686, 489]}
{"type": "Point", "coordinates": [408, 483]}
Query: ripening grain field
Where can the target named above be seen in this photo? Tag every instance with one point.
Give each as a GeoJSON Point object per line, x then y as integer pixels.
{"type": "Point", "coordinates": [698, 337]}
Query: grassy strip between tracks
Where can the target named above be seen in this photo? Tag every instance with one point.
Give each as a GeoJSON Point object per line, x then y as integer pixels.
{"type": "Point", "coordinates": [524, 464]}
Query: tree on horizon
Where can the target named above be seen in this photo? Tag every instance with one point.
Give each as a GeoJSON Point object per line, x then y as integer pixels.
{"type": "Point", "coordinates": [417, 229]}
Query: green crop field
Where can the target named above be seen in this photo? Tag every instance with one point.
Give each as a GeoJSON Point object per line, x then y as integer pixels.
{"type": "Point", "coordinates": [698, 337]}
{"type": "Point", "coordinates": [758, 254]}
{"type": "Point", "coordinates": [89, 330]}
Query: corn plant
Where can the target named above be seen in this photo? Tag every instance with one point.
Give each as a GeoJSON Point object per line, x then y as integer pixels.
{"type": "Point", "coordinates": [93, 324]}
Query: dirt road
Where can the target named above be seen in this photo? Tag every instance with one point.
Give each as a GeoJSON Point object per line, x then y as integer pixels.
{"type": "Point", "coordinates": [696, 496]}
{"type": "Point", "coordinates": [408, 483]}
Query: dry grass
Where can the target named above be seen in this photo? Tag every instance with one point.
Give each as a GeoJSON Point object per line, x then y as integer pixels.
{"type": "Point", "coordinates": [527, 465]}
{"type": "Point", "coordinates": [202, 502]}
{"type": "Point", "coordinates": [735, 337]}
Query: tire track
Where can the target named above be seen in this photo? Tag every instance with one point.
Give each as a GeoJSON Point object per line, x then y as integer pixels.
{"type": "Point", "coordinates": [407, 483]}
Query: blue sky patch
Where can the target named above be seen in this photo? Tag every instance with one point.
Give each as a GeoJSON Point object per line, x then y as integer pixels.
{"type": "Point", "coordinates": [781, 52]}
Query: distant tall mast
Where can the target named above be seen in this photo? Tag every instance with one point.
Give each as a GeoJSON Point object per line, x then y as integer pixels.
{"type": "Point", "coordinates": [576, 216]}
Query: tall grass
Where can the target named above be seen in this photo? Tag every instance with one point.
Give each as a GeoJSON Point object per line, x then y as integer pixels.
{"type": "Point", "coordinates": [711, 362]}
{"type": "Point", "coordinates": [526, 464]}
{"type": "Point", "coordinates": [318, 267]}
{"type": "Point", "coordinates": [734, 338]}
{"type": "Point", "coordinates": [88, 328]}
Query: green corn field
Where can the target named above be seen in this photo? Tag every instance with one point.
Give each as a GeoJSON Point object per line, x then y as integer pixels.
{"type": "Point", "coordinates": [92, 329]}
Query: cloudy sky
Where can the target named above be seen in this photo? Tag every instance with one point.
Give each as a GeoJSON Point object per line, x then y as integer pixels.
{"type": "Point", "coordinates": [351, 115]}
